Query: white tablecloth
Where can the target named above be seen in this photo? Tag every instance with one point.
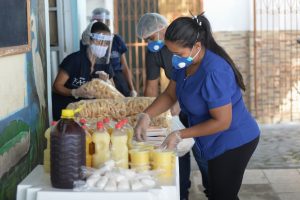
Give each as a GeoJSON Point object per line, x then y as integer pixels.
{"type": "Point", "coordinates": [37, 186]}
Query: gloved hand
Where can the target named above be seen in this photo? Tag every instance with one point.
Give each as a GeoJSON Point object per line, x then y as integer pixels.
{"type": "Point", "coordinates": [141, 127]}
{"type": "Point", "coordinates": [82, 92]}
{"type": "Point", "coordinates": [102, 75]}
{"type": "Point", "coordinates": [171, 141]}
{"type": "Point", "coordinates": [133, 93]}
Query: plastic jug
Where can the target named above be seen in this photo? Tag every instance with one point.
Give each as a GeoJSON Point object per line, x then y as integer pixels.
{"type": "Point", "coordinates": [47, 150]}
{"type": "Point", "coordinates": [119, 149]}
{"type": "Point", "coordinates": [101, 140]}
{"type": "Point", "coordinates": [129, 131]}
{"type": "Point", "coordinates": [67, 151]}
{"type": "Point", "coordinates": [108, 125]}
{"type": "Point", "coordinates": [88, 148]}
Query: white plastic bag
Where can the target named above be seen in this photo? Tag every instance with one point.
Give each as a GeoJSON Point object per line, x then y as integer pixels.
{"type": "Point", "coordinates": [186, 144]}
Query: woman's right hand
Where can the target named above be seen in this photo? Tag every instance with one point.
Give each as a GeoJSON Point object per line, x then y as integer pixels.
{"type": "Point", "coordinates": [141, 127]}
{"type": "Point", "coordinates": [82, 92]}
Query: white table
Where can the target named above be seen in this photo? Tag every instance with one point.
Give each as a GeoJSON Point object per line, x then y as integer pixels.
{"type": "Point", "coordinates": [37, 186]}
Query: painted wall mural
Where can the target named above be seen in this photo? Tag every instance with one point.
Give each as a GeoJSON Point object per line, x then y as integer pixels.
{"type": "Point", "coordinates": [22, 133]}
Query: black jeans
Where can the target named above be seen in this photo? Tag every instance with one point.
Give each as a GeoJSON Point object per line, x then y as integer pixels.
{"type": "Point", "coordinates": [225, 172]}
{"type": "Point", "coordinates": [185, 167]}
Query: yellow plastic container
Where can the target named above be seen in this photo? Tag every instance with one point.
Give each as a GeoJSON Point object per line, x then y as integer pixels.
{"type": "Point", "coordinates": [101, 140]}
{"type": "Point", "coordinates": [88, 143]}
{"type": "Point", "coordinates": [139, 157]}
{"type": "Point", "coordinates": [119, 149]}
{"type": "Point", "coordinates": [164, 162]}
{"type": "Point", "coordinates": [47, 150]}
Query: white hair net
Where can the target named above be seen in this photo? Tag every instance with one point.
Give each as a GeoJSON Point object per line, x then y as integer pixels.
{"type": "Point", "coordinates": [150, 23]}
{"type": "Point", "coordinates": [86, 35]}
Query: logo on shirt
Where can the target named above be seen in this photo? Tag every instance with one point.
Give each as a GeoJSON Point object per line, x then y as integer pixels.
{"type": "Point", "coordinates": [77, 82]}
{"type": "Point", "coordinates": [115, 54]}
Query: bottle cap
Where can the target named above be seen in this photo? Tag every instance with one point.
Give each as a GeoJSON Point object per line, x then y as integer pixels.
{"type": "Point", "coordinates": [82, 121]}
{"type": "Point", "coordinates": [99, 125]}
{"type": "Point", "coordinates": [67, 114]}
{"type": "Point", "coordinates": [53, 123]}
{"type": "Point", "coordinates": [106, 120]}
{"type": "Point", "coordinates": [84, 127]}
{"type": "Point", "coordinates": [118, 125]}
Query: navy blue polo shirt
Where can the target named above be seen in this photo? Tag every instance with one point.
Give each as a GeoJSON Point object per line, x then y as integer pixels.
{"type": "Point", "coordinates": [214, 85]}
{"type": "Point", "coordinates": [78, 67]}
{"type": "Point", "coordinates": [117, 49]}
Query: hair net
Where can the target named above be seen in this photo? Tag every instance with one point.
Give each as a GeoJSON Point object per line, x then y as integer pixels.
{"type": "Point", "coordinates": [100, 14]}
{"type": "Point", "coordinates": [150, 23]}
{"type": "Point", "coordinates": [86, 35]}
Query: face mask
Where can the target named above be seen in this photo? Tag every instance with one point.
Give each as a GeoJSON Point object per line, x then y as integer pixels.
{"type": "Point", "coordinates": [179, 62]}
{"type": "Point", "coordinates": [98, 51]}
{"type": "Point", "coordinates": [155, 46]}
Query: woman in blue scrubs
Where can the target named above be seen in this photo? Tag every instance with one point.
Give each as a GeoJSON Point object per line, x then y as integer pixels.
{"type": "Point", "coordinates": [208, 86]}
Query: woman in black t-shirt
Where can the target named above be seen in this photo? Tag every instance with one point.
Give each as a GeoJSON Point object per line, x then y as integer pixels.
{"type": "Point", "coordinates": [80, 67]}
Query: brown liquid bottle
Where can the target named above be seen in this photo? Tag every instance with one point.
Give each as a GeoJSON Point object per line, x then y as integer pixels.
{"type": "Point", "coordinates": [67, 151]}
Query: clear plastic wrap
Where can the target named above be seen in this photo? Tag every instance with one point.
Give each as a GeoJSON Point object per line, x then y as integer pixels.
{"type": "Point", "coordinates": [118, 109]}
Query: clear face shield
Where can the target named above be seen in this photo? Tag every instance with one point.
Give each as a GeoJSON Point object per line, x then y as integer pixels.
{"type": "Point", "coordinates": [101, 46]}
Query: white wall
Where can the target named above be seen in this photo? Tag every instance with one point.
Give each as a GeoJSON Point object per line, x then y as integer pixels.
{"type": "Point", "coordinates": [237, 15]}
{"type": "Point", "coordinates": [229, 15]}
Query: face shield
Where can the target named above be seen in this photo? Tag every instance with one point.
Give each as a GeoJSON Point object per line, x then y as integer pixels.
{"type": "Point", "coordinates": [101, 45]}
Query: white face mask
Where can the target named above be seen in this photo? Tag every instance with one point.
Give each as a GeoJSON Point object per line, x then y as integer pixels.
{"type": "Point", "coordinates": [98, 50]}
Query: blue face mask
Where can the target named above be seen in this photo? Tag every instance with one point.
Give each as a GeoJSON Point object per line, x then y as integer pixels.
{"type": "Point", "coordinates": [155, 46]}
{"type": "Point", "coordinates": [179, 62]}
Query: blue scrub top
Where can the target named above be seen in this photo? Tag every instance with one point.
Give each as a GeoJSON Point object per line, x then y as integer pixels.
{"type": "Point", "coordinates": [214, 85]}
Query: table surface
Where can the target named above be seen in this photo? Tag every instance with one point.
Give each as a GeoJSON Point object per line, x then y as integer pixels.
{"type": "Point", "coordinates": [37, 186]}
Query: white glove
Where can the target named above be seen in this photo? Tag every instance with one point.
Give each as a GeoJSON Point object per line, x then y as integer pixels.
{"type": "Point", "coordinates": [82, 92]}
{"type": "Point", "coordinates": [102, 75]}
{"type": "Point", "coordinates": [171, 141]}
{"type": "Point", "coordinates": [141, 127]}
{"type": "Point", "coordinates": [133, 93]}
{"type": "Point", "coordinates": [175, 109]}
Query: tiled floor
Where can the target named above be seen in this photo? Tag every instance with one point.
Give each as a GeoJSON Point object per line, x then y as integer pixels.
{"type": "Point", "coordinates": [273, 172]}
{"type": "Point", "coordinates": [268, 184]}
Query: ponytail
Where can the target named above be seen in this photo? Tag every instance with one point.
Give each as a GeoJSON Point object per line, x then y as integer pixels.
{"type": "Point", "coordinates": [186, 31]}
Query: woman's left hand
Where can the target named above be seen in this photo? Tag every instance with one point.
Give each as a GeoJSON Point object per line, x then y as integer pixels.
{"type": "Point", "coordinates": [171, 141]}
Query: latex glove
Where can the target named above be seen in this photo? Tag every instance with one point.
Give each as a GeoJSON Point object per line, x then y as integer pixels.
{"type": "Point", "coordinates": [102, 75]}
{"type": "Point", "coordinates": [171, 141]}
{"type": "Point", "coordinates": [82, 92]}
{"type": "Point", "coordinates": [141, 127]}
{"type": "Point", "coordinates": [133, 93]}
{"type": "Point", "coordinates": [175, 109]}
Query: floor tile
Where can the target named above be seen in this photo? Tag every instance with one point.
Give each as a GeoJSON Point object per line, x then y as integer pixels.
{"type": "Point", "coordinates": [254, 176]}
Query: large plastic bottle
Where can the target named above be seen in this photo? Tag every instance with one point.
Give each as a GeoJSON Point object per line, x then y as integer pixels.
{"type": "Point", "coordinates": [108, 125]}
{"type": "Point", "coordinates": [47, 149]}
{"type": "Point", "coordinates": [129, 130]}
{"type": "Point", "coordinates": [67, 151]}
{"type": "Point", "coordinates": [88, 148]}
{"type": "Point", "coordinates": [101, 140]}
{"type": "Point", "coordinates": [119, 149]}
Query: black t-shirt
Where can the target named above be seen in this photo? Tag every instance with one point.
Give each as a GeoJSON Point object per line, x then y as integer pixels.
{"type": "Point", "coordinates": [157, 60]}
{"type": "Point", "coordinates": [77, 66]}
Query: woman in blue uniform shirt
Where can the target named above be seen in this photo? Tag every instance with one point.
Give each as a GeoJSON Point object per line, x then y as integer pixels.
{"type": "Point", "coordinates": [208, 86]}
{"type": "Point", "coordinates": [80, 67]}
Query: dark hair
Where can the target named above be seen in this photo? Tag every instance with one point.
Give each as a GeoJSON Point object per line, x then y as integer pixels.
{"type": "Point", "coordinates": [99, 26]}
{"type": "Point", "coordinates": [186, 31]}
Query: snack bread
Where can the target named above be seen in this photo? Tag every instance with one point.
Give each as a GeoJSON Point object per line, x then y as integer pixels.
{"type": "Point", "coordinates": [118, 109]}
